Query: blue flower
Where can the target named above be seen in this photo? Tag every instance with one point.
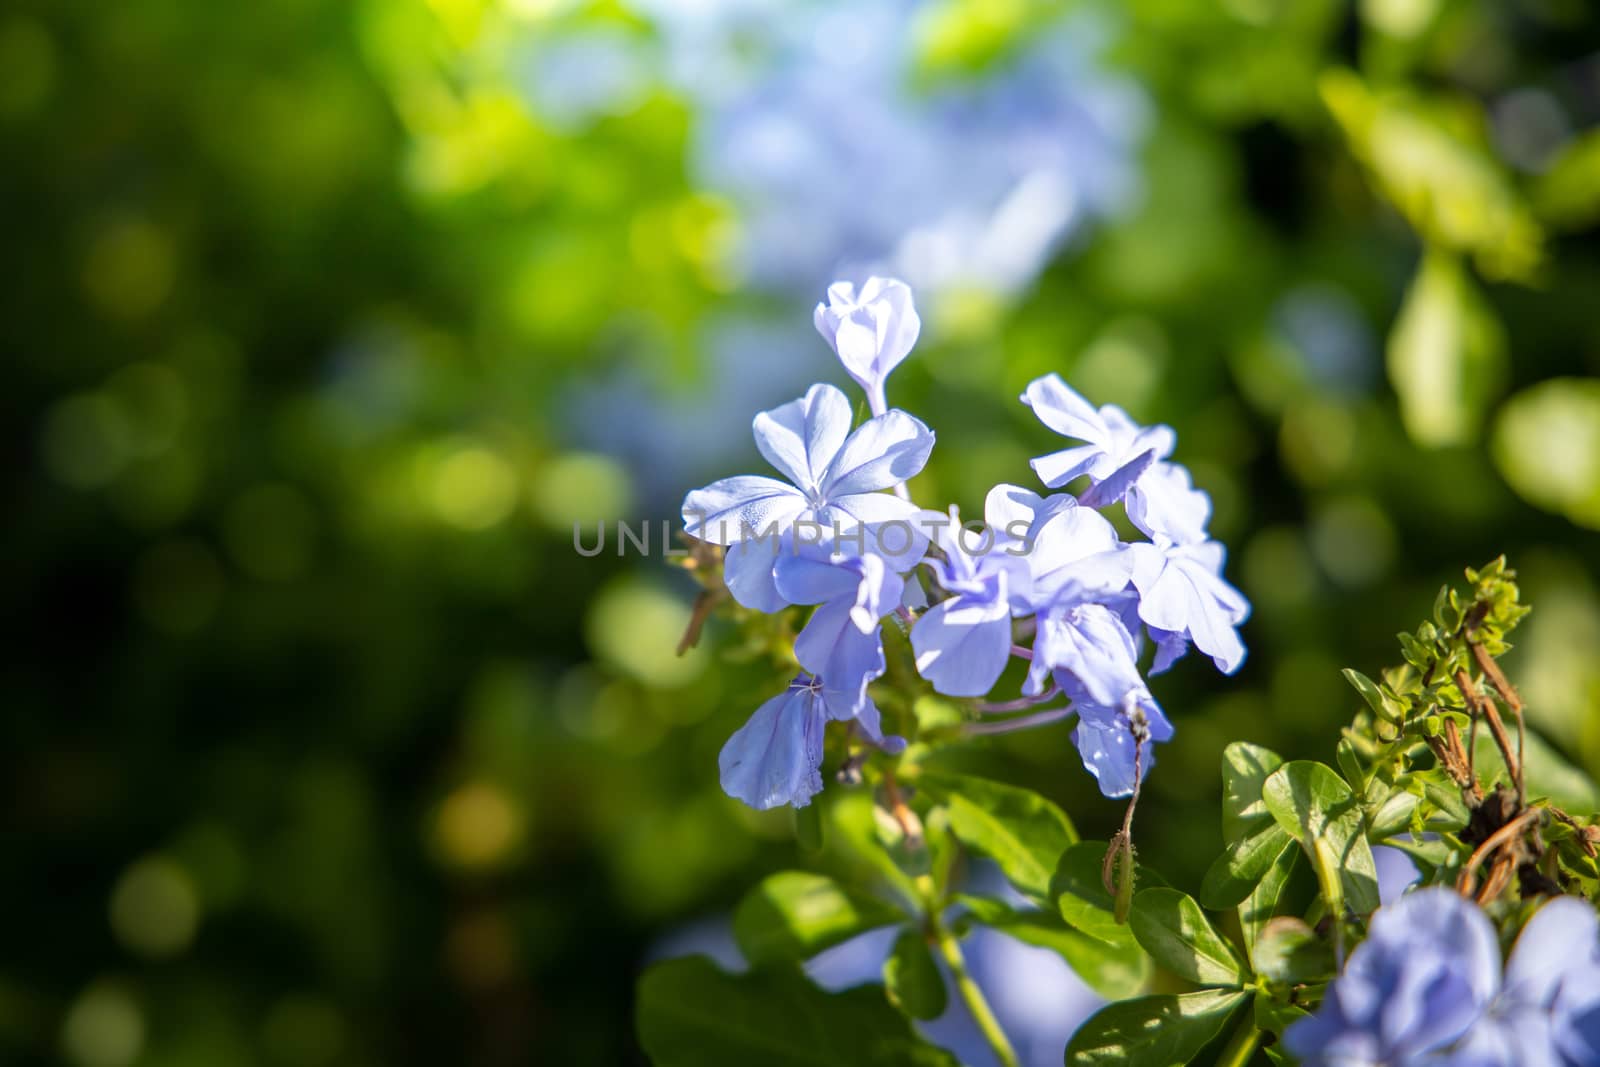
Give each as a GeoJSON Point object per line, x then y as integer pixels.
{"type": "Point", "coordinates": [1116, 451]}
{"type": "Point", "coordinates": [1428, 969]}
{"type": "Point", "coordinates": [871, 331]}
{"type": "Point", "coordinates": [962, 644]}
{"type": "Point", "coordinates": [775, 758]}
{"type": "Point", "coordinates": [835, 480]}
{"type": "Point", "coordinates": [1182, 592]}
{"type": "Point", "coordinates": [1548, 1011]}
{"type": "Point", "coordinates": [1107, 739]}
{"type": "Point", "coordinates": [840, 642]}
{"type": "Point", "coordinates": [1163, 502]}
{"type": "Point", "coordinates": [1426, 988]}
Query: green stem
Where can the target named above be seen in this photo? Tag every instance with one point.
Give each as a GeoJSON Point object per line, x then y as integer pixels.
{"type": "Point", "coordinates": [976, 1002]}
{"type": "Point", "coordinates": [1241, 1046]}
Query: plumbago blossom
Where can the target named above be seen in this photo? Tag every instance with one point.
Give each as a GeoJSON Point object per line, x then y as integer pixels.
{"type": "Point", "coordinates": [1427, 988]}
{"type": "Point", "coordinates": [839, 533]}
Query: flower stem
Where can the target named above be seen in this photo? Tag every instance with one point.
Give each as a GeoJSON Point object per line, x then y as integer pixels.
{"type": "Point", "coordinates": [977, 1004]}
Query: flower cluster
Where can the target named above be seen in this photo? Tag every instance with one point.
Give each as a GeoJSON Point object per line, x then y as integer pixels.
{"type": "Point", "coordinates": [841, 533]}
{"type": "Point", "coordinates": [1427, 987]}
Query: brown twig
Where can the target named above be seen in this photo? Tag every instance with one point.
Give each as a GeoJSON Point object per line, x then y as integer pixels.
{"type": "Point", "coordinates": [1508, 693]}
{"type": "Point", "coordinates": [1486, 705]}
{"type": "Point", "coordinates": [1467, 883]}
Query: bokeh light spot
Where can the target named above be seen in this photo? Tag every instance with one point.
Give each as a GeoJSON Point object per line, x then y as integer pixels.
{"type": "Point", "coordinates": [103, 1028]}
{"type": "Point", "coordinates": [477, 825]}
{"type": "Point", "coordinates": [635, 626]}
{"type": "Point", "coordinates": [581, 488]}
{"type": "Point", "coordinates": [1353, 540]}
{"type": "Point", "coordinates": [86, 440]}
{"type": "Point", "coordinates": [1547, 445]}
{"type": "Point", "coordinates": [473, 489]}
{"type": "Point", "coordinates": [130, 269]}
{"type": "Point", "coordinates": [155, 909]}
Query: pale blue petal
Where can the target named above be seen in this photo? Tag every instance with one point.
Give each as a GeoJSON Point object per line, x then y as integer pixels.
{"type": "Point", "coordinates": [775, 758]}
{"type": "Point", "coordinates": [962, 647]}
{"type": "Point", "coordinates": [802, 437]}
{"type": "Point", "coordinates": [1107, 751]}
{"type": "Point", "coordinates": [883, 452]}
{"type": "Point", "coordinates": [804, 580]}
{"type": "Point", "coordinates": [1166, 506]}
{"type": "Point", "coordinates": [1115, 485]}
{"type": "Point", "coordinates": [1058, 468]}
{"type": "Point", "coordinates": [1060, 407]}
{"type": "Point", "coordinates": [872, 509]}
{"type": "Point", "coordinates": [748, 572]}
{"type": "Point", "coordinates": [831, 647]}
{"type": "Point", "coordinates": [732, 509]}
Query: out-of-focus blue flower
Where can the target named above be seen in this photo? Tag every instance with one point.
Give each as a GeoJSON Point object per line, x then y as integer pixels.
{"type": "Point", "coordinates": [1429, 967]}
{"type": "Point", "coordinates": [1182, 591]}
{"type": "Point", "coordinates": [1116, 449]}
{"type": "Point", "coordinates": [1548, 1010]}
{"type": "Point", "coordinates": [808, 119]}
{"type": "Point", "coordinates": [835, 476]}
{"type": "Point", "coordinates": [1426, 988]}
{"type": "Point", "coordinates": [576, 76]}
{"type": "Point", "coordinates": [871, 331]}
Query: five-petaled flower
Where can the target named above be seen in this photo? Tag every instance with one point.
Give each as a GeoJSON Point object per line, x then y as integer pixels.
{"type": "Point", "coordinates": [1427, 988]}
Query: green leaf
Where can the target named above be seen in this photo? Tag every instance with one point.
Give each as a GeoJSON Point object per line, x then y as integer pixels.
{"type": "Point", "coordinates": [1274, 1016]}
{"type": "Point", "coordinates": [1244, 768]}
{"type": "Point", "coordinates": [793, 915]}
{"type": "Point", "coordinates": [1019, 829]}
{"type": "Point", "coordinates": [1313, 803]}
{"type": "Point", "coordinates": [1447, 355]}
{"type": "Point", "coordinates": [1113, 971]}
{"type": "Point", "coordinates": [1241, 867]}
{"type": "Point", "coordinates": [1158, 1031]}
{"type": "Point", "coordinates": [1351, 767]}
{"type": "Point", "coordinates": [1394, 814]}
{"type": "Point", "coordinates": [1172, 928]}
{"type": "Point", "coordinates": [911, 978]}
{"type": "Point", "coordinates": [1081, 896]}
{"type": "Point", "coordinates": [690, 1014]}
{"type": "Point", "coordinates": [1290, 952]}
{"type": "Point", "coordinates": [1371, 694]}
{"type": "Point", "coordinates": [1266, 900]}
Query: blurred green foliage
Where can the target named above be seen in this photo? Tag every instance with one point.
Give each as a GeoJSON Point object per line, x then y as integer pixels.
{"type": "Point", "coordinates": [322, 746]}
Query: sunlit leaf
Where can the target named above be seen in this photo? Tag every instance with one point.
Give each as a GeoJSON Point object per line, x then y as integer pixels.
{"type": "Point", "coordinates": [1158, 1031]}
{"type": "Point", "coordinates": [1171, 927]}
{"type": "Point", "coordinates": [1315, 805]}
{"type": "Point", "coordinates": [1020, 830]}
